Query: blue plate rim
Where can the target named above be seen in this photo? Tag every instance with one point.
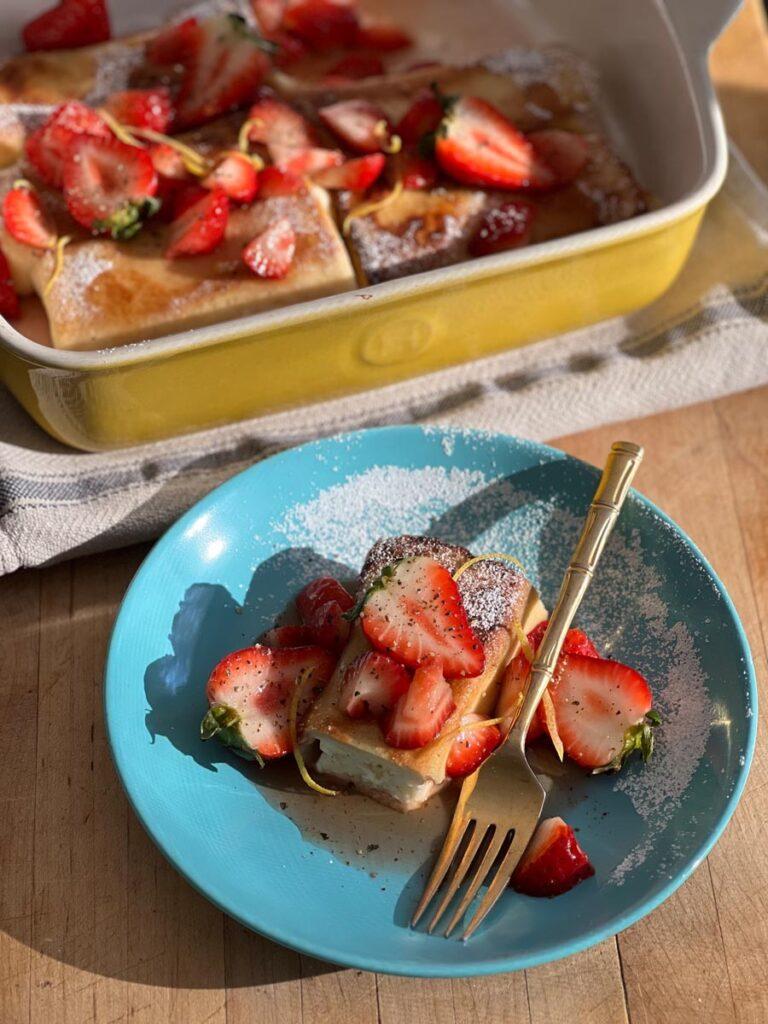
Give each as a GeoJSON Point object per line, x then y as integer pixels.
{"type": "Point", "coordinates": [322, 950]}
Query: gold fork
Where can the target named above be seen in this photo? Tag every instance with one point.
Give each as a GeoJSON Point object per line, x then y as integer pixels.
{"type": "Point", "coordinates": [499, 807]}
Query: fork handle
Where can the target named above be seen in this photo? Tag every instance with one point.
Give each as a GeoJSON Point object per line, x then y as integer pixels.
{"type": "Point", "coordinates": [620, 468]}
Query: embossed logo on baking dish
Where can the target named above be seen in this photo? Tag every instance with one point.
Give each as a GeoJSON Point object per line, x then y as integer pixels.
{"type": "Point", "coordinates": [385, 344]}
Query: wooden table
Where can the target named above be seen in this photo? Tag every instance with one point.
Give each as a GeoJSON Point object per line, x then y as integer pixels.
{"type": "Point", "coordinates": [95, 925]}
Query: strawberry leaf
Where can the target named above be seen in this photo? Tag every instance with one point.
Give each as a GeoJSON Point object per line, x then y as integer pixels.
{"type": "Point", "coordinates": [223, 722]}
{"type": "Point", "coordinates": [378, 584]}
{"type": "Point", "coordinates": [638, 737]}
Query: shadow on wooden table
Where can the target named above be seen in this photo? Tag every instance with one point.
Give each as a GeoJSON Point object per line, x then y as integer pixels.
{"type": "Point", "coordinates": [88, 887]}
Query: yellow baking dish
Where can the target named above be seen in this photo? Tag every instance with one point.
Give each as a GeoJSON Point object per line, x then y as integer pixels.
{"type": "Point", "coordinates": [655, 86]}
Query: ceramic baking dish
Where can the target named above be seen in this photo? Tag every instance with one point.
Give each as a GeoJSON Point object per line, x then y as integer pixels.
{"type": "Point", "coordinates": [658, 101]}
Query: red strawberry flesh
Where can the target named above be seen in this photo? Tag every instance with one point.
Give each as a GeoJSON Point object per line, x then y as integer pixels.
{"type": "Point", "coordinates": [504, 227]}
{"type": "Point", "coordinates": [26, 220]}
{"type": "Point", "coordinates": [419, 715]}
{"type": "Point", "coordinates": [288, 636]}
{"type": "Point", "coordinates": [200, 227]}
{"type": "Point", "coordinates": [372, 685]}
{"type": "Point", "coordinates": [477, 145]}
{"type": "Point", "coordinates": [471, 747]}
{"type": "Point", "coordinates": [270, 255]}
{"type": "Point", "coordinates": [69, 24]}
{"type": "Point", "coordinates": [553, 863]}
{"type": "Point", "coordinates": [415, 613]}
{"type": "Point", "coordinates": [356, 175]}
{"type": "Point", "coordinates": [257, 684]}
{"type": "Point", "coordinates": [360, 124]}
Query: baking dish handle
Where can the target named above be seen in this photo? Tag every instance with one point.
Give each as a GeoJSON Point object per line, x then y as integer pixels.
{"type": "Point", "coordinates": [698, 23]}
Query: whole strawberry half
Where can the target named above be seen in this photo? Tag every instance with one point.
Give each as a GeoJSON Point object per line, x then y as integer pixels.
{"type": "Point", "coordinates": [9, 300]}
{"type": "Point", "coordinates": [322, 24]}
{"type": "Point", "coordinates": [471, 747]}
{"type": "Point", "coordinates": [322, 605]}
{"type": "Point", "coordinates": [553, 862]}
{"type": "Point", "coordinates": [603, 710]}
{"type": "Point", "coordinates": [47, 148]}
{"type": "Point", "coordinates": [355, 175]}
{"type": "Point", "coordinates": [516, 674]}
{"type": "Point", "coordinates": [250, 691]}
{"type": "Point", "coordinates": [422, 711]}
{"type": "Point", "coordinates": [361, 125]}
{"type": "Point", "coordinates": [415, 613]}
{"type": "Point", "coordinates": [270, 255]}
{"type": "Point", "coordinates": [223, 64]}
{"type": "Point", "coordinates": [109, 187]}
{"type": "Point", "coordinates": [372, 685]}
{"type": "Point", "coordinates": [70, 24]}
{"type": "Point", "coordinates": [477, 145]}
{"type": "Point", "coordinates": [25, 218]}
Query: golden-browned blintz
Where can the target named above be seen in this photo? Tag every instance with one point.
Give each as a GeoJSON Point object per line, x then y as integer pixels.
{"type": "Point", "coordinates": [112, 292]}
{"type": "Point", "coordinates": [495, 596]}
{"type": "Point", "coordinates": [89, 73]}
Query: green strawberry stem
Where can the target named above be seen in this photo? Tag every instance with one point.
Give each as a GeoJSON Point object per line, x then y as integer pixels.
{"type": "Point", "coordinates": [637, 737]}
{"type": "Point", "coordinates": [223, 722]}
{"type": "Point", "coordinates": [378, 584]}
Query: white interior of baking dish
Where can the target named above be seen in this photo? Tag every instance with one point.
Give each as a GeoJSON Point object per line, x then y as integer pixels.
{"type": "Point", "coordinates": [654, 95]}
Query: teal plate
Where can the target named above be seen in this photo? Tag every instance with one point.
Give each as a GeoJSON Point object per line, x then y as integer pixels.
{"type": "Point", "coordinates": [337, 878]}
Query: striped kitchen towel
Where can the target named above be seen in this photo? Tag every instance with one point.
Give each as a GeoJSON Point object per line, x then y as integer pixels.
{"type": "Point", "coordinates": [707, 336]}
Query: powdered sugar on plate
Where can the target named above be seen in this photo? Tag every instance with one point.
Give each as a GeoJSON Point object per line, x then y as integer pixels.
{"type": "Point", "coordinates": [625, 611]}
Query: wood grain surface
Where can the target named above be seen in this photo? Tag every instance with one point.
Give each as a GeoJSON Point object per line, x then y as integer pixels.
{"type": "Point", "coordinates": [96, 927]}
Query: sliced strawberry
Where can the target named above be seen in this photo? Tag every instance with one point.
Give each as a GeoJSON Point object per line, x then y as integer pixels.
{"type": "Point", "coordinates": [471, 747]}
{"type": "Point", "coordinates": [168, 161]}
{"type": "Point", "coordinates": [279, 127]}
{"type": "Point", "coordinates": [310, 161]}
{"type": "Point", "coordinates": [422, 711]}
{"type": "Point", "coordinates": [270, 255]}
{"type": "Point", "coordinates": [603, 711]}
{"type": "Point", "coordinates": [223, 64]}
{"type": "Point", "coordinates": [48, 146]}
{"type": "Point", "coordinates": [109, 186]}
{"type": "Point", "coordinates": [504, 227]}
{"type": "Point", "coordinates": [421, 118]}
{"type": "Point", "coordinates": [322, 605]}
{"type": "Point", "coordinates": [357, 175]}
{"type": "Point", "coordinates": [318, 592]}
{"type": "Point", "coordinates": [414, 612]}
{"type": "Point", "coordinates": [323, 24]}
{"type": "Point", "coordinates": [553, 861]}
{"type": "Point", "coordinates": [269, 13]}
{"type": "Point", "coordinates": [288, 48]}
{"type": "Point", "coordinates": [372, 685]}
{"type": "Point", "coordinates": [199, 227]}
{"type": "Point", "coordinates": [9, 300]}
{"type": "Point", "coordinates": [70, 24]}
{"type": "Point", "coordinates": [576, 641]}
{"type": "Point", "coordinates": [288, 636]}
{"type": "Point", "coordinates": [274, 182]}
{"type": "Point", "coordinates": [142, 108]}
{"type": "Point", "coordinates": [26, 220]}
{"type": "Point", "coordinates": [477, 145]}
{"type": "Point", "coordinates": [250, 692]}
{"type": "Point", "coordinates": [516, 675]}
{"type": "Point", "coordinates": [175, 44]}
{"type": "Point", "coordinates": [353, 67]}
{"type": "Point", "coordinates": [566, 153]}
{"type": "Point", "coordinates": [236, 176]}
{"type": "Point", "coordinates": [359, 124]}
{"type": "Point", "coordinates": [382, 37]}
{"type": "Point", "coordinates": [415, 171]}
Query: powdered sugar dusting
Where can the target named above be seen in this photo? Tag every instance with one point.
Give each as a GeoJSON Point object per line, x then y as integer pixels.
{"type": "Point", "coordinates": [625, 610]}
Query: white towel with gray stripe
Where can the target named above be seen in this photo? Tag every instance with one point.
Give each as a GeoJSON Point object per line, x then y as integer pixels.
{"type": "Point", "coordinates": [706, 337]}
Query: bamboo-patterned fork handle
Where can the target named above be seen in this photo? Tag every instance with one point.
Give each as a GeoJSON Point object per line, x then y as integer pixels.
{"type": "Point", "coordinates": [620, 468]}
